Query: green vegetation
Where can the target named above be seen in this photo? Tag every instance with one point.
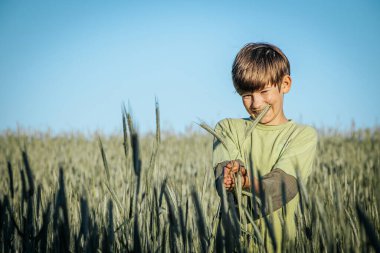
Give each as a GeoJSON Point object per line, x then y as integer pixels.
{"type": "Point", "coordinates": [156, 194]}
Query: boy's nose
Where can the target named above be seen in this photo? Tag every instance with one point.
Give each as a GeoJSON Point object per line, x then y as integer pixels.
{"type": "Point", "coordinates": [257, 102]}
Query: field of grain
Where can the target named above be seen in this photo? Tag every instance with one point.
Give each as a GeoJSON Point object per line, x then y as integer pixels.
{"type": "Point", "coordinates": [156, 193]}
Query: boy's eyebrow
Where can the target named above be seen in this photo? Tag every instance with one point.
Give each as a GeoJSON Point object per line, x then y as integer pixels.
{"type": "Point", "coordinates": [268, 88]}
{"type": "Point", "coordinates": [258, 90]}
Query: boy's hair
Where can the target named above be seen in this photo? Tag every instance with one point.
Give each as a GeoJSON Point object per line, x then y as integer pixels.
{"type": "Point", "coordinates": [257, 65]}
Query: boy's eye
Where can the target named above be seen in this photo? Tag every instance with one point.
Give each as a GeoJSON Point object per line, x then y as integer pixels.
{"type": "Point", "coordinates": [264, 91]}
{"type": "Point", "coordinates": [247, 97]}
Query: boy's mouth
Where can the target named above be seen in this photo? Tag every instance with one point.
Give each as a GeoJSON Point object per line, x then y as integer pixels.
{"type": "Point", "coordinates": [260, 113]}
{"type": "Point", "coordinates": [257, 112]}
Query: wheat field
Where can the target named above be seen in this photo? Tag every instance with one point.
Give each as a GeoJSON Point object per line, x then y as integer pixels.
{"type": "Point", "coordinates": [155, 193]}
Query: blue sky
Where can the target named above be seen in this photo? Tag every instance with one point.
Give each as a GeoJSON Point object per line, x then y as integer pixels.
{"type": "Point", "coordinates": [69, 65]}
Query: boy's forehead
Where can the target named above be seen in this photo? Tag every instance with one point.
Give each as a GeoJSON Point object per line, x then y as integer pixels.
{"type": "Point", "coordinates": [269, 85]}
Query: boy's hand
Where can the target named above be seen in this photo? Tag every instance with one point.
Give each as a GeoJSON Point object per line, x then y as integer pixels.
{"type": "Point", "coordinates": [231, 169]}
{"type": "Point", "coordinates": [229, 183]}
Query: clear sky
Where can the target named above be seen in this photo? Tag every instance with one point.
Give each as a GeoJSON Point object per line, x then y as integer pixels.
{"type": "Point", "coordinates": [69, 65]}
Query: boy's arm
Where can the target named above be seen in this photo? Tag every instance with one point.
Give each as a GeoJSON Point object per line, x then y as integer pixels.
{"type": "Point", "coordinates": [272, 187]}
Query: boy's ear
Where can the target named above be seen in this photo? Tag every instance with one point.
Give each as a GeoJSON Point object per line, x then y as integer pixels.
{"type": "Point", "coordinates": [286, 84]}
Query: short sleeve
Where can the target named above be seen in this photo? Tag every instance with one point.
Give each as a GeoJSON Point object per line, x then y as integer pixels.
{"type": "Point", "coordinates": [299, 154]}
{"type": "Point", "coordinates": [225, 148]}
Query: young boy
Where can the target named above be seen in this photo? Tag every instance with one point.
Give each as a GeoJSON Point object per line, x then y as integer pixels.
{"type": "Point", "coordinates": [277, 147]}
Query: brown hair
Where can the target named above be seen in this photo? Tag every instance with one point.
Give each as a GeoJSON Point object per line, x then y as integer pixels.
{"type": "Point", "coordinates": [257, 65]}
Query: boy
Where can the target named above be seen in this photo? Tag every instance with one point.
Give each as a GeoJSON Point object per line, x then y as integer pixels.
{"type": "Point", "coordinates": [277, 147]}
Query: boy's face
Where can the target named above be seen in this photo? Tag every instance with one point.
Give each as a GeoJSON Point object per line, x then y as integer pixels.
{"type": "Point", "coordinates": [255, 102]}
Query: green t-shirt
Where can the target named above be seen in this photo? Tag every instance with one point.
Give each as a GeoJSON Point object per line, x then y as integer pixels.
{"type": "Point", "coordinates": [288, 147]}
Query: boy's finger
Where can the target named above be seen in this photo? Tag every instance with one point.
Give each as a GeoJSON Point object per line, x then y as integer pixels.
{"type": "Point", "coordinates": [227, 175]}
{"type": "Point", "coordinates": [226, 171]}
{"type": "Point", "coordinates": [227, 186]}
{"type": "Point", "coordinates": [246, 181]}
{"type": "Point", "coordinates": [228, 180]}
{"type": "Point", "coordinates": [235, 167]}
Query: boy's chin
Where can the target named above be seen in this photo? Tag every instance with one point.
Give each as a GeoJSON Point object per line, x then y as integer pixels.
{"type": "Point", "coordinates": [265, 120]}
